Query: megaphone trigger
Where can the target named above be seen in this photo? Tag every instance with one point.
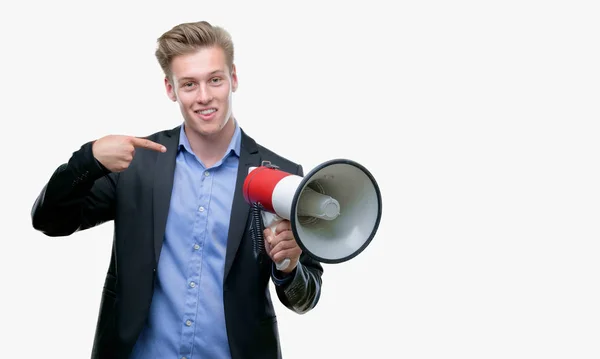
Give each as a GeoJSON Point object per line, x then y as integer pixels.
{"type": "Point", "coordinates": [271, 221]}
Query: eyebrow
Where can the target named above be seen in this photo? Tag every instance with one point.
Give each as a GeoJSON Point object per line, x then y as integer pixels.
{"type": "Point", "coordinates": [185, 78]}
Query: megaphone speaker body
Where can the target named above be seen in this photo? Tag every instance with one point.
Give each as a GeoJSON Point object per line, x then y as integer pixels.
{"type": "Point", "coordinates": [334, 210]}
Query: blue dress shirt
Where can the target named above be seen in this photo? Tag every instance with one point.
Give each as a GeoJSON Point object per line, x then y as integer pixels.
{"type": "Point", "coordinates": [186, 318]}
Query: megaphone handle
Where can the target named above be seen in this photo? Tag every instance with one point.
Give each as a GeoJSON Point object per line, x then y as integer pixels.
{"type": "Point", "coordinates": [271, 220]}
{"type": "Point", "coordinates": [283, 264]}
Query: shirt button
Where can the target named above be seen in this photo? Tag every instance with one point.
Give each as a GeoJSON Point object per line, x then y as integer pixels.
{"type": "Point", "coordinates": [188, 323]}
{"type": "Point", "coordinates": [192, 284]}
{"type": "Point", "coordinates": [196, 247]}
{"type": "Point", "coordinates": [206, 174]}
{"type": "Point", "coordinates": [201, 209]}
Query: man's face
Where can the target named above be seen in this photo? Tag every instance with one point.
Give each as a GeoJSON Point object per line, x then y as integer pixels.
{"type": "Point", "coordinates": [203, 86]}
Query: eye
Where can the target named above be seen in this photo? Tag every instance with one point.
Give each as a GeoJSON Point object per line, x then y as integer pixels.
{"type": "Point", "coordinates": [215, 80]}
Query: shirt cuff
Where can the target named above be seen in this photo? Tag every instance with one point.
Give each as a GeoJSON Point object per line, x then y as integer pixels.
{"type": "Point", "coordinates": [280, 278]}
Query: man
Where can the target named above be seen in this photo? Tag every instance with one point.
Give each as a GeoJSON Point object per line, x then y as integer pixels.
{"type": "Point", "coordinates": [183, 280]}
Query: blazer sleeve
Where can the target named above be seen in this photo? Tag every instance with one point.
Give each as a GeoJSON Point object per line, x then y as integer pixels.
{"type": "Point", "coordinates": [301, 290]}
{"type": "Point", "coordinates": [79, 195]}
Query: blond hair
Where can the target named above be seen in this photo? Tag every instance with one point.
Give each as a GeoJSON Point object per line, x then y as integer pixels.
{"type": "Point", "coordinates": [190, 37]}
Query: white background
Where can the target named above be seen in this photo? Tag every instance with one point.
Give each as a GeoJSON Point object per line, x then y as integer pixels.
{"type": "Point", "coordinates": [479, 120]}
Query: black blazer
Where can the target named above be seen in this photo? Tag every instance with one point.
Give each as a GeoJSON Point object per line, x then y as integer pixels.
{"type": "Point", "coordinates": [81, 194]}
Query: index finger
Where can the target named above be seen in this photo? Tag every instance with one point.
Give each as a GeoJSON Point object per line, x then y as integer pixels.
{"type": "Point", "coordinates": [284, 225]}
{"type": "Point", "coordinates": [285, 236]}
{"type": "Point", "coordinates": [144, 143]}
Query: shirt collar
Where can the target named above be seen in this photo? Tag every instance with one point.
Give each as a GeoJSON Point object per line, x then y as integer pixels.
{"type": "Point", "coordinates": [234, 145]}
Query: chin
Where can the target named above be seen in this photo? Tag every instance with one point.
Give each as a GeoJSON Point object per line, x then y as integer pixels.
{"type": "Point", "coordinates": [206, 129]}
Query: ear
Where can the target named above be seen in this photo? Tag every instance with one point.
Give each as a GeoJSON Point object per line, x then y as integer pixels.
{"type": "Point", "coordinates": [170, 90]}
{"type": "Point", "coordinates": [234, 78]}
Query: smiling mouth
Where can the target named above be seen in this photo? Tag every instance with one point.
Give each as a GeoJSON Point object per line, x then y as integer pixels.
{"type": "Point", "coordinates": [206, 112]}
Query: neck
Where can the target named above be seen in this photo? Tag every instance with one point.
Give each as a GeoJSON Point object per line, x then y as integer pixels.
{"type": "Point", "coordinates": [211, 148]}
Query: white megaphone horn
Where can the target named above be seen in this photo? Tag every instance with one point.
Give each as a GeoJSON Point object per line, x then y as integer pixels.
{"type": "Point", "coordinates": [334, 210]}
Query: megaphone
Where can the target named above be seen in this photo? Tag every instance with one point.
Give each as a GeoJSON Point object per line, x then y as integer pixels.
{"type": "Point", "coordinates": [334, 210]}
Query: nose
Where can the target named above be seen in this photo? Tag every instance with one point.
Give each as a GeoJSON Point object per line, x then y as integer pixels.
{"type": "Point", "coordinates": [204, 95]}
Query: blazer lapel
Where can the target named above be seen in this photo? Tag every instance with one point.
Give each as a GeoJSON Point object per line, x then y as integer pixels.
{"type": "Point", "coordinates": [249, 156]}
{"type": "Point", "coordinates": [164, 171]}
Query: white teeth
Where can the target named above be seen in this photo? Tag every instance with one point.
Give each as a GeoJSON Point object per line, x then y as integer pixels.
{"type": "Point", "coordinates": [206, 112]}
